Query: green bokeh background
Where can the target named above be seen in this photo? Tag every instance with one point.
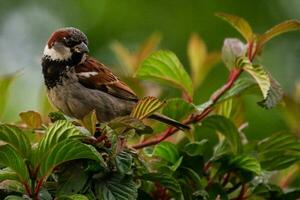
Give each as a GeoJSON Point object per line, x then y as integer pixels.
{"type": "Point", "coordinates": [26, 25]}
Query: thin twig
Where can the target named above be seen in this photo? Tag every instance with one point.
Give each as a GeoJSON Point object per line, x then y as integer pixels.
{"type": "Point", "coordinates": [233, 76]}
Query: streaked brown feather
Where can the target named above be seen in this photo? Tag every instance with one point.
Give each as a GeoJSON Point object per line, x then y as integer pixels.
{"type": "Point", "coordinates": [105, 80]}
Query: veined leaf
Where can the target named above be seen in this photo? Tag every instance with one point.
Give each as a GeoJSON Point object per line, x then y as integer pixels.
{"type": "Point", "coordinates": [13, 197]}
{"type": "Point", "coordinates": [277, 142]}
{"type": "Point", "coordinates": [227, 128]}
{"type": "Point", "coordinates": [9, 157]}
{"type": "Point", "coordinates": [16, 138]}
{"type": "Point", "coordinates": [239, 87]}
{"type": "Point", "coordinates": [5, 82]}
{"type": "Point", "coordinates": [261, 76]}
{"type": "Point", "coordinates": [167, 151]}
{"type": "Point", "coordinates": [129, 122]}
{"type": "Point", "coordinates": [275, 95]}
{"type": "Point", "coordinates": [8, 174]}
{"type": "Point", "coordinates": [145, 107]}
{"type": "Point", "coordinates": [165, 180]}
{"type": "Point", "coordinates": [58, 132]}
{"type": "Point", "coordinates": [73, 197]}
{"type": "Point", "coordinates": [67, 150]}
{"type": "Point", "coordinates": [31, 118]}
{"type": "Point", "coordinates": [247, 163]}
{"type": "Point", "coordinates": [197, 54]}
{"type": "Point", "coordinates": [117, 187]}
{"type": "Point", "coordinates": [13, 186]}
{"type": "Point", "coordinates": [278, 151]}
{"type": "Point", "coordinates": [290, 25]}
{"type": "Point", "coordinates": [72, 178]}
{"type": "Point", "coordinates": [56, 116]}
{"type": "Point", "coordinates": [123, 162]}
{"type": "Point", "coordinates": [177, 109]}
{"type": "Point", "coordinates": [195, 148]}
{"type": "Point", "coordinates": [89, 121]}
{"type": "Point", "coordinates": [191, 175]}
{"type": "Point", "coordinates": [165, 67]}
{"type": "Point", "coordinates": [240, 24]}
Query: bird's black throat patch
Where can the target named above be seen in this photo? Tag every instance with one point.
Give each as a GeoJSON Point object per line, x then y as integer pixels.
{"type": "Point", "coordinates": [55, 70]}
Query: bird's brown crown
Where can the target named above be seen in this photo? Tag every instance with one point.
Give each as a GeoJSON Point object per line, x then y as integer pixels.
{"type": "Point", "coordinates": [70, 34]}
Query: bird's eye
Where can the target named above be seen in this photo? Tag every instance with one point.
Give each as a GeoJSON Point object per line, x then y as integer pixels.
{"type": "Point", "coordinates": [68, 41]}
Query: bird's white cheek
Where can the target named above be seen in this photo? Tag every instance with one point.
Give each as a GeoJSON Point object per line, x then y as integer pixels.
{"type": "Point", "coordinates": [58, 53]}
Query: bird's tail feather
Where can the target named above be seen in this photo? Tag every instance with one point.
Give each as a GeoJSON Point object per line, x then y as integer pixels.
{"type": "Point", "coordinates": [169, 121]}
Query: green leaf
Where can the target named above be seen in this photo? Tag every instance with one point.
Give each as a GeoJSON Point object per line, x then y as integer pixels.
{"type": "Point", "coordinates": [197, 54]}
{"type": "Point", "coordinates": [177, 164]}
{"type": "Point", "coordinates": [56, 116]}
{"type": "Point", "coordinates": [31, 118]}
{"type": "Point", "coordinates": [274, 96]}
{"type": "Point", "coordinates": [190, 175]}
{"type": "Point", "coordinates": [8, 174]}
{"type": "Point", "coordinates": [177, 109]}
{"type": "Point", "coordinates": [247, 163]}
{"type": "Point", "coordinates": [240, 86]}
{"type": "Point", "coordinates": [13, 186]}
{"type": "Point", "coordinates": [195, 148]}
{"type": "Point", "coordinates": [261, 76]}
{"type": "Point", "coordinates": [117, 187]}
{"type": "Point", "coordinates": [9, 157]}
{"type": "Point", "coordinates": [227, 128]}
{"type": "Point", "coordinates": [290, 25]}
{"type": "Point", "coordinates": [16, 138]}
{"type": "Point", "coordinates": [89, 122]}
{"type": "Point", "coordinates": [240, 24]}
{"type": "Point", "coordinates": [67, 150]}
{"type": "Point", "coordinates": [268, 191]}
{"type": "Point", "coordinates": [73, 197]}
{"type": "Point", "coordinates": [58, 132]}
{"type": "Point", "coordinates": [124, 162]}
{"type": "Point", "coordinates": [129, 122]}
{"type": "Point", "coordinates": [278, 151]}
{"type": "Point", "coordinates": [5, 82]}
{"type": "Point", "coordinates": [165, 67]}
{"type": "Point", "coordinates": [72, 178]}
{"type": "Point", "coordinates": [13, 197]}
{"type": "Point", "coordinates": [145, 107]}
{"type": "Point", "coordinates": [165, 180]}
{"type": "Point", "coordinates": [232, 50]}
{"type": "Point", "coordinates": [167, 151]}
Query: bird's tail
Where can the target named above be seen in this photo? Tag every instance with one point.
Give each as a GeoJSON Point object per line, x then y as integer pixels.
{"type": "Point", "coordinates": [169, 121]}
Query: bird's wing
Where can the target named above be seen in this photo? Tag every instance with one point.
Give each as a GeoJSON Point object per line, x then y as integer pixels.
{"type": "Point", "coordinates": [94, 75]}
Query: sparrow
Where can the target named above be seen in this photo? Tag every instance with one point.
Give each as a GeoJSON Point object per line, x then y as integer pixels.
{"type": "Point", "coordinates": [77, 83]}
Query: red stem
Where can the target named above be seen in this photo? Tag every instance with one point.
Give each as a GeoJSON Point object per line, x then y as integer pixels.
{"type": "Point", "coordinates": [233, 76]}
{"type": "Point", "coordinates": [27, 189]}
{"type": "Point", "coordinates": [38, 187]}
{"type": "Point", "coordinates": [242, 193]}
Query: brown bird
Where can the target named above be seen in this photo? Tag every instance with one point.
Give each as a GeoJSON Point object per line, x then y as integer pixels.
{"type": "Point", "coordinates": [77, 83]}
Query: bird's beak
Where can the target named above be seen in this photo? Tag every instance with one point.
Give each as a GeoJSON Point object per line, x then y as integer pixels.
{"type": "Point", "coordinates": [81, 48]}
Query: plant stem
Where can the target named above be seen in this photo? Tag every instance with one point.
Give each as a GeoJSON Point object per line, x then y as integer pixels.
{"type": "Point", "coordinates": [233, 76]}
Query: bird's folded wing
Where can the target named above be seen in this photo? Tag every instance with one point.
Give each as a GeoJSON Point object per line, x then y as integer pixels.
{"type": "Point", "coordinates": [94, 75]}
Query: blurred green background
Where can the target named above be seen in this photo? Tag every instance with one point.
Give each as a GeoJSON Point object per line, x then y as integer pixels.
{"type": "Point", "coordinates": [26, 26]}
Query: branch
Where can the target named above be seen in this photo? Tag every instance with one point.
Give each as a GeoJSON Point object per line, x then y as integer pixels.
{"type": "Point", "coordinates": [233, 76]}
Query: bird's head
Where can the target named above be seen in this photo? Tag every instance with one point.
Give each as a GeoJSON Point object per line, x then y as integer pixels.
{"type": "Point", "coordinates": [67, 45]}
